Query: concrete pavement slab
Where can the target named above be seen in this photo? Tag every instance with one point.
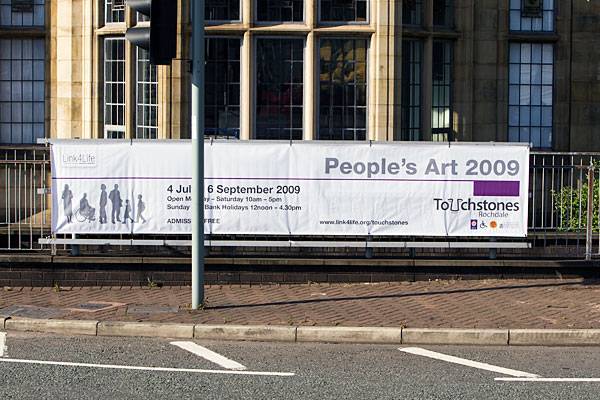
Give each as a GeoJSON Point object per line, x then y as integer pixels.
{"type": "Point", "coordinates": [349, 334]}
{"type": "Point", "coordinates": [244, 332]}
{"type": "Point", "coordinates": [146, 329]}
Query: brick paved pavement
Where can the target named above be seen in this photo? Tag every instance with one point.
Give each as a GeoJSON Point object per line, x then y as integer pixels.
{"type": "Point", "coordinates": [448, 304]}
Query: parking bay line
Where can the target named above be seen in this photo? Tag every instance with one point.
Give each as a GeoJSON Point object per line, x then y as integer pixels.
{"type": "Point", "coordinates": [468, 363]}
{"type": "Point", "coordinates": [152, 369]}
{"type": "Point", "coordinates": [210, 355]}
{"type": "Point", "coordinates": [547, 380]}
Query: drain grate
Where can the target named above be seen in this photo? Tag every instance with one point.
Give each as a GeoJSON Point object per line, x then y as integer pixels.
{"type": "Point", "coordinates": [92, 307]}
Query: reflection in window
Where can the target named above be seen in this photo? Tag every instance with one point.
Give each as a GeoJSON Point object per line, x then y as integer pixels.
{"type": "Point", "coordinates": [280, 10]}
{"type": "Point", "coordinates": [535, 19]}
{"type": "Point", "coordinates": [279, 88]}
{"type": "Point", "coordinates": [146, 97]}
{"type": "Point", "coordinates": [222, 88]}
{"type": "Point", "coordinates": [412, 12]}
{"type": "Point", "coordinates": [114, 12]}
{"type": "Point", "coordinates": [114, 88]}
{"type": "Point", "coordinates": [222, 10]}
{"type": "Point", "coordinates": [343, 89]}
{"type": "Point", "coordinates": [530, 93]}
{"type": "Point", "coordinates": [441, 117]}
{"type": "Point", "coordinates": [344, 10]}
{"type": "Point", "coordinates": [411, 90]}
{"type": "Point", "coordinates": [443, 13]}
{"type": "Point", "coordinates": [21, 90]}
{"type": "Point", "coordinates": [22, 13]}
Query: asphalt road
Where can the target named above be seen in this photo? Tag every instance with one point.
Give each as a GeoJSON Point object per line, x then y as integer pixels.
{"type": "Point", "coordinates": [317, 371]}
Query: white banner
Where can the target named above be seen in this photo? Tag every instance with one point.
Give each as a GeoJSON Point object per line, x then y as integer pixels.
{"type": "Point", "coordinates": [307, 188]}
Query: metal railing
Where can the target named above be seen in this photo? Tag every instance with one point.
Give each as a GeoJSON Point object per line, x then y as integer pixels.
{"type": "Point", "coordinates": [24, 197]}
{"type": "Point", "coordinates": [559, 188]}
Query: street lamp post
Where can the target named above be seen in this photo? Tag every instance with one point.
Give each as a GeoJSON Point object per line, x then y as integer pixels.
{"type": "Point", "coordinates": [198, 154]}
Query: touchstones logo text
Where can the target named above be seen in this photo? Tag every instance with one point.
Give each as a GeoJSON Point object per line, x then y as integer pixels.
{"type": "Point", "coordinates": [485, 208]}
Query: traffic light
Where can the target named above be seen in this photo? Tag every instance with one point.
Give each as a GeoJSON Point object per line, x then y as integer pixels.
{"type": "Point", "coordinates": [160, 38]}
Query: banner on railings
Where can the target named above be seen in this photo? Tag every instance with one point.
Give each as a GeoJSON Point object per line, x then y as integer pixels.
{"type": "Point", "coordinates": [308, 188]}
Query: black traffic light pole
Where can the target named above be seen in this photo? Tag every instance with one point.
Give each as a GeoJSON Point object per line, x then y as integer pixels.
{"type": "Point", "coordinates": [198, 154]}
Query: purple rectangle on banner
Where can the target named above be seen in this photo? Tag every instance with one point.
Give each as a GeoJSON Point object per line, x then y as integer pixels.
{"type": "Point", "coordinates": [496, 188]}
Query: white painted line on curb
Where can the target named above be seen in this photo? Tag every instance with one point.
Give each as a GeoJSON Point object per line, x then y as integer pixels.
{"type": "Point", "coordinates": [155, 369]}
{"type": "Point", "coordinates": [210, 355]}
{"type": "Point", "coordinates": [548, 379]}
{"type": "Point", "coordinates": [2, 344]}
{"type": "Point", "coordinates": [468, 363]}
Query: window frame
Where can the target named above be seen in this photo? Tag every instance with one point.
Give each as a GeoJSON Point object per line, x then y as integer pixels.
{"type": "Point", "coordinates": [105, 14]}
{"type": "Point", "coordinates": [254, 107]}
{"type": "Point", "coordinates": [137, 105]}
{"type": "Point", "coordinates": [267, 23]}
{"type": "Point", "coordinates": [406, 129]}
{"type": "Point", "coordinates": [209, 22]}
{"type": "Point", "coordinates": [106, 127]}
{"type": "Point", "coordinates": [241, 39]}
{"type": "Point", "coordinates": [317, 82]}
{"type": "Point", "coordinates": [334, 23]}
{"type": "Point", "coordinates": [555, 7]}
{"type": "Point", "coordinates": [451, 88]}
{"type": "Point", "coordinates": [554, 97]}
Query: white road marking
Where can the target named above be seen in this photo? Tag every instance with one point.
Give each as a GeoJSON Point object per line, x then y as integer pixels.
{"type": "Point", "coordinates": [155, 369]}
{"type": "Point", "coordinates": [468, 363]}
{"type": "Point", "coordinates": [2, 343]}
{"type": "Point", "coordinates": [210, 355]}
{"type": "Point", "coordinates": [548, 379]}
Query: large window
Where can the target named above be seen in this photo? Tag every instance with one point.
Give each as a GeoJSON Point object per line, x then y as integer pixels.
{"type": "Point", "coordinates": [222, 10]}
{"type": "Point", "coordinates": [21, 90]}
{"type": "Point", "coordinates": [412, 12]}
{"type": "Point", "coordinates": [411, 90]}
{"type": "Point", "coordinates": [146, 97]}
{"type": "Point", "coordinates": [343, 89]}
{"type": "Point", "coordinates": [114, 11]}
{"type": "Point", "coordinates": [441, 116]}
{"type": "Point", "coordinates": [22, 13]}
{"type": "Point", "coordinates": [535, 17]}
{"type": "Point", "coordinates": [280, 10]}
{"type": "Point", "coordinates": [531, 93]}
{"type": "Point", "coordinates": [344, 10]}
{"type": "Point", "coordinates": [114, 88]}
{"type": "Point", "coordinates": [279, 88]}
{"type": "Point", "coordinates": [222, 87]}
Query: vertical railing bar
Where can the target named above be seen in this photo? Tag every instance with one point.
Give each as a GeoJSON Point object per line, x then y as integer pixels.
{"type": "Point", "coordinates": [543, 184]}
{"type": "Point", "coordinates": [552, 211]}
{"type": "Point", "coordinates": [20, 207]}
{"type": "Point", "coordinates": [534, 208]}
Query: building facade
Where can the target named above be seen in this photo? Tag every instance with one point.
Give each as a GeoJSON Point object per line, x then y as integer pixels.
{"type": "Point", "coordinates": [386, 70]}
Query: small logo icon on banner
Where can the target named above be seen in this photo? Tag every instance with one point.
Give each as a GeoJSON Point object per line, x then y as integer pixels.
{"type": "Point", "coordinates": [473, 224]}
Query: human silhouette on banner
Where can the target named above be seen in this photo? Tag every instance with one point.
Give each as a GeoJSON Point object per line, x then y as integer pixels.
{"type": "Point", "coordinates": [67, 198]}
{"type": "Point", "coordinates": [141, 206]}
{"type": "Point", "coordinates": [127, 215]}
{"type": "Point", "coordinates": [103, 203]}
{"type": "Point", "coordinates": [86, 210]}
{"type": "Point", "coordinates": [115, 198]}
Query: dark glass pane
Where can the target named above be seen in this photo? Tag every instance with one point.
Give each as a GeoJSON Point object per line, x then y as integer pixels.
{"type": "Point", "coordinates": [222, 10]}
{"type": "Point", "coordinates": [344, 10]}
{"type": "Point", "coordinates": [280, 10]}
{"type": "Point", "coordinates": [279, 97]}
{"type": "Point", "coordinates": [412, 12]}
{"type": "Point", "coordinates": [342, 101]}
{"type": "Point", "coordinates": [443, 13]}
{"type": "Point", "coordinates": [441, 117]}
{"type": "Point", "coordinates": [222, 87]}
